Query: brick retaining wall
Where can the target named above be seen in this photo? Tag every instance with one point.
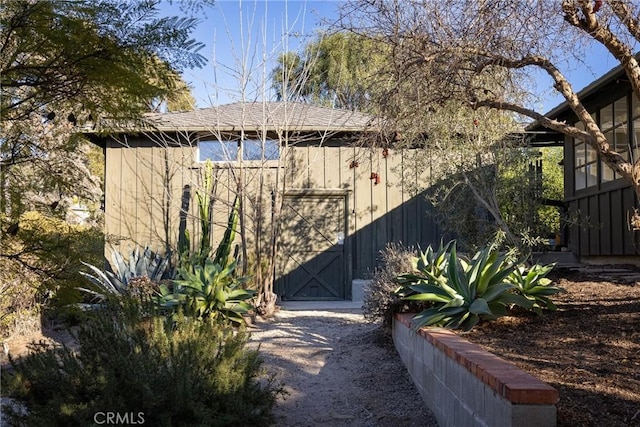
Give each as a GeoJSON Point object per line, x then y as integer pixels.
{"type": "Point", "coordinates": [465, 385]}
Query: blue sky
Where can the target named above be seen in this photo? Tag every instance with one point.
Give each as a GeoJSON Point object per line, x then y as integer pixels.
{"type": "Point", "coordinates": [250, 34]}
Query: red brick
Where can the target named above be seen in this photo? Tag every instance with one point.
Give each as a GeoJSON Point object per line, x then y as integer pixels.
{"type": "Point", "coordinates": [503, 377]}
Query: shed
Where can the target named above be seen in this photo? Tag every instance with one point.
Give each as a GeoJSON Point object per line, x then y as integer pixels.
{"type": "Point", "coordinates": [341, 202]}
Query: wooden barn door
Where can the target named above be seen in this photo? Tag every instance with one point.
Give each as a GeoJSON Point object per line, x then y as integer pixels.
{"type": "Point", "coordinates": [312, 259]}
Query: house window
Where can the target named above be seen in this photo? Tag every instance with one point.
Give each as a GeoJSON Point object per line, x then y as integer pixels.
{"type": "Point", "coordinates": [621, 126]}
{"type": "Point", "coordinates": [586, 164]}
{"type": "Point", "coordinates": [614, 122]}
{"type": "Point", "coordinates": [635, 127]}
{"type": "Point", "coordinates": [230, 151]}
{"type": "Point", "coordinates": [217, 151]}
{"type": "Point", "coordinates": [253, 149]}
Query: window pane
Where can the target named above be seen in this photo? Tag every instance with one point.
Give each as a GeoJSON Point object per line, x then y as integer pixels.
{"type": "Point", "coordinates": [217, 151]}
{"type": "Point", "coordinates": [635, 139]}
{"type": "Point", "coordinates": [580, 178]}
{"type": "Point", "coordinates": [621, 139]}
{"type": "Point", "coordinates": [592, 174]}
{"type": "Point", "coordinates": [606, 117]}
{"type": "Point", "coordinates": [592, 154]}
{"type": "Point", "coordinates": [252, 150]}
{"type": "Point", "coordinates": [579, 154]}
{"type": "Point", "coordinates": [620, 111]}
{"type": "Point", "coordinates": [635, 106]}
{"type": "Point", "coordinates": [607, 173]}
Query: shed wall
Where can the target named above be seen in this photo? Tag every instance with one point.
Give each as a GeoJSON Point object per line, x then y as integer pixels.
{"type": "Point", "coordinates": [150, 191]}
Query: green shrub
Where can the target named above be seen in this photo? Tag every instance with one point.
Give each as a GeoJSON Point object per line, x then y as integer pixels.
{"type": "Point", "coordinates": [380, 302]}
{"type": "Point", "coordinates": [182, 373]}
{"type": "Point", "coordinates": [125, 273]}
{"type": "Point", "coordinates": [462, 292]}
{"type": "Point", "coordinates": [210, 291]}
{"type": "Point", "coordinates": [40, 262]}
{"type": "Point", "coordinates": [533, 284]}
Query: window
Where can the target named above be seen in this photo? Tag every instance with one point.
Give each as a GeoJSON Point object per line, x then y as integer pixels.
{"type": "Point", "coordinates": [229, 151]}
{"type": "Point", "coordinates": [621, 126]}
{"type": "Point", "coordinates": [614, 120]}
{"type": "Point", "coordinates": [635, 130]}
{"type": "Point", "coordinates": [217, 151]}
{"type": "Point", "coordinates": [586, 164]}
{"type": "Point", "coordinates": [252, 149]}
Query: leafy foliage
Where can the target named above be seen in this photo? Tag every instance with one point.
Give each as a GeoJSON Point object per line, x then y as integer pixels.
{"type": "Point", "coordinates": [211, 291]}
{"type": "Point", "coordinates": [184, 373]}
{"type": "Point", "coordinates": [59, 51]}
{"type": "Point", "coordinates": [339, 70]}
{"type": "Point", "coordinates": [380, 302]}
{"type": "Point", "coordinates": [533, 285]}
{"type": "Point", "coordinates": [40, 262]}
{"type": "Point", "coordinates": [116, 281]}
{"type": "Point", "coordinates": [466, 291]}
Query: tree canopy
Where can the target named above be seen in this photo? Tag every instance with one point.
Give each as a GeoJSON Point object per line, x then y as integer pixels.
{"type": "Point", "coordinates": [105, 57]}
{"type": "Point", "coordinates": [338, 70]}
{"type": "Point", "coordinates": [70, 63]}
{"type": "Point", "coordinates": [453, 50]}
{"type": "Point", "coordinates": [66, 63]}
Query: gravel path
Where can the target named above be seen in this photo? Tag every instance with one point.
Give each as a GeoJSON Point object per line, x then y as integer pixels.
{"type": "Point", "coordinates": [338, 371]}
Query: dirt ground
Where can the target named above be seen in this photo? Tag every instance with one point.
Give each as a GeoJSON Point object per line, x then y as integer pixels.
{"type": "Point", "coordinates": [589, 349]}
{"type": "Point", "coordinates": [339, 371]}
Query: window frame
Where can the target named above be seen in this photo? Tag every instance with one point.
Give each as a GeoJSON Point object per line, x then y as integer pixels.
{"type": "Point", "coordinates": [241, 151]}
{"type": "Point", "coordinates": [620, 125]}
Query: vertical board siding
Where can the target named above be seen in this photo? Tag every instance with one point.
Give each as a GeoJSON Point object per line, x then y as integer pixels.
{"type": "Point", "coordinates": [145, 184]}
{"type": "Point", "coordinates": [112, 190]}
{"type": "Point", "coordinates": [596, 225]}
{"type": "Point", "coordinates": [629, 203]}
{"type": "Point", "coordinates": [602, 226]}
{"type": "Point", "coordinates": [617, 234]}
{"type": "Point", "coordinates": [604, 206]}
{"type": "Point", "coordinates": [129, 200]}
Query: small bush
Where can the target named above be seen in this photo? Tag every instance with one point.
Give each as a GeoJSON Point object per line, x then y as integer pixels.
{"type": "Point", "coordinates": [380, 302]}
{"type": "Point", "coordinates": [209, 291]}
{"type": "Point", "coordinates": [184, 373]}
{"type": "Point", "coordinates": [40, 262]}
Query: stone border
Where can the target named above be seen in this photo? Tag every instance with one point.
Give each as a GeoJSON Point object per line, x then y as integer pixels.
{"type": "Point", "coordinates": [465, 385]}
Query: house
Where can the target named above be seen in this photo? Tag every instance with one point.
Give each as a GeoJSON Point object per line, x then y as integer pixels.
{"type": "Point", "coordinates": [340, 202]}
{"type": "Point", "coordinates": [598, 200]}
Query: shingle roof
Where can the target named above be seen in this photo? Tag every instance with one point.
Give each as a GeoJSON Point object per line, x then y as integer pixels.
{"type": "Point", "coordinates": [278, 116]}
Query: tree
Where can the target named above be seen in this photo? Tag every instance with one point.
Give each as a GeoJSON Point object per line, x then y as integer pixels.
{"type": "Point", "coordinates": [468, 152]}
{"type": "Point", "coordinates": [65, 64]}
{"type": "Point", "coordinates": [108, 57]}
{"type": "Point", "coordinates": [339, 70]}
{"type": "Point", "coordinates": [452, 47]}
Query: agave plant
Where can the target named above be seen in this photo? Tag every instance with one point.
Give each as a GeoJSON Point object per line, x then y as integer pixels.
{"type": "Point", "coordinates": [429, 263]}
{"type": "Point", "coordinates": [209, 291]}
{"type": "Point", "coordinates": [116, 281]}
{"type": "Point", "coordinates": [535, 286]}
{"type": "Point", "coordinates": [466, 291]}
